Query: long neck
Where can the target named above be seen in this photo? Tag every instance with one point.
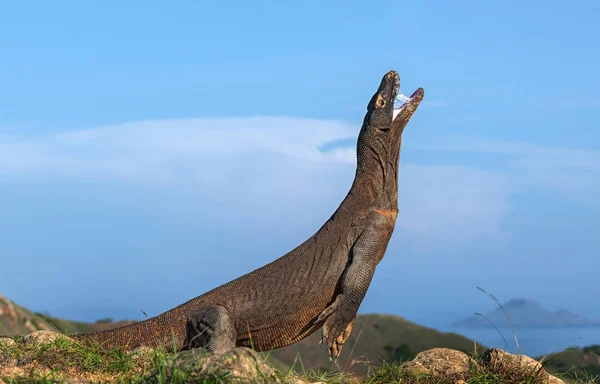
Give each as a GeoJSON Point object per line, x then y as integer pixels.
{"type": "Point", "coordinates": [376, 179]}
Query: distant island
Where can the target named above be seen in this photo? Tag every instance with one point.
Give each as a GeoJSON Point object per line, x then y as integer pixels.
{"type": "Point", "coordinates": [526, 313]}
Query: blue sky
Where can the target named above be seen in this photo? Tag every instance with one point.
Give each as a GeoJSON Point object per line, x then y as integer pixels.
{"type": "Point", "coordinates": [152, 151]}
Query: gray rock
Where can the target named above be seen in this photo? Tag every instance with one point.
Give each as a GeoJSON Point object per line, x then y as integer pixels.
{"type": "Point", "coordinates": [239, 365]}
{"type": "Point", "coordinates": [6, 361]}
{"type": "Point", "coordinates": [4, 358]}
{"type": "Point", "coordinates": [7, 341]}
{"type": "Point", "coordinates": [141, 353]}
{"type": "Point", "coordinates": [242, 363]}
{"type": "Point", "coordinates": [6, 344]}
{"type": "Point", "coordinates": [499, 361]}
{"type": "Point", "coordinates": [448, 365]}
{"type": "Point", "coordinates": [443, 363]}
{"type": "Point", "coordinates": [40, 338]}
{"type": "Point", "coordinates": [550, 379]}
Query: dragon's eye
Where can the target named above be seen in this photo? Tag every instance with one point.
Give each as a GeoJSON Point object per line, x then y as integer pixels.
{"type": "Point", "coordinates": [380, 102]}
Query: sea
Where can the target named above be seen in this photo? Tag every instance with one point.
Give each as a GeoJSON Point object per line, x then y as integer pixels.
{"type": "Point", "coordinates": [532, 341]}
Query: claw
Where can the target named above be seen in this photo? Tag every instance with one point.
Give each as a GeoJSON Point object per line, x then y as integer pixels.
{"type": "Point", "coordinates": [336, 329]}
{"type": "Point", "coordinates": [333, 356]}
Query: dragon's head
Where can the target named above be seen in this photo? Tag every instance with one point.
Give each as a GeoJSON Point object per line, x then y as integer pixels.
{"type": "Point", "coordinates": [378, 148]}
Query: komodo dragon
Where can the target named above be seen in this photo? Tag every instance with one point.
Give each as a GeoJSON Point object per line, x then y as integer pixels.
{"type": "Point", "coordinates": [321, 283]}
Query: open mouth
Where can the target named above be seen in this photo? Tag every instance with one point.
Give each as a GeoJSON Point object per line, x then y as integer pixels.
{"type": "Point", "coordinates": [401, 102]}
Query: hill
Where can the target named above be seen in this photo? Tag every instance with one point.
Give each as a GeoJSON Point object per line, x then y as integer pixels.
{"type": "Point", "coordinates": [574, 362]}
{"type": "Point", "coordinates": [526, 313]}
{"type": "Point", "coordinates": [16, 320]}
{"type": "Point", "coordinates": [374, 338]}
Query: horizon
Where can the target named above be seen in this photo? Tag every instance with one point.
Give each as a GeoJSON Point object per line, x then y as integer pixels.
{"type": "Point", "coordinates": [505, 309]}
{"type": "Point", "coordinates": [149, 153]}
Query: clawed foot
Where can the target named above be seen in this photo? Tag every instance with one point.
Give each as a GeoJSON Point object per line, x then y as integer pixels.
{"type": "Point", "coordinates": [339, 320]}
{"type": "Point", "coordinates": [335, 347]}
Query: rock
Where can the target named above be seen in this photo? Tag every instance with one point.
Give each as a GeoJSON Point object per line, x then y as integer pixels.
{"type": "Point", "coordinates": [238, 364]}
{"type": "Point", "coordinates": [12, 371]}
{"type": "Point", "coordinates": [447, 365]}
{"type": "Point", "coordinates": [4, 358]}
{"type": "Point", "coordinates": [143, 358]}
{"type": "Point", "coordinates": [141, 353]}
{"type": "Point", "coordinates": [299, 380]}
{"type": "Point", "coordinates": [7, 360]}
{"type": "Point", "coordinates": [242, 363]}
{"type": "Point", "coordinates": [553, 380]}
{"type": "Point", "coordinates": [6, 344]}
{"type": "Point", "coordinates": [443, 363]}
{"type": "Point", "coordinates": [505, 363]}
{"type": "Point", "coordinates": [40, 338]}
{"type": "Point", "coordinates": [499, 360]}
{"type": "Point", "coordinates": [7, 341]}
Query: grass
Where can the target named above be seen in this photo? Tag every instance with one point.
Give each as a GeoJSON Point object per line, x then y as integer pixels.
{"type": "Point", "coordinates": [390, 337]}
{"type": "Point", "coordinates": [575, 362]}
{"type": "Point", "coordinates": [392, 372]}
{"type": "Point", "coordinates": [375, 336]}
{"type": "Point", "coordinates": [64, 358]}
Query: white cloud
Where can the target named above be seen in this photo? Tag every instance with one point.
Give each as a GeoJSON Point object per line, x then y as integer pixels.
{"type": "Point", "coordinates": [142, 149]}
{"type": "Point", "coordinates": [274, 162]}
{"type": "Point", "coordinates": [435, 199]}
{"type": "Point", "coordinates": [559, 169]}
{"type": "Point", "coordinates": [547, 156]}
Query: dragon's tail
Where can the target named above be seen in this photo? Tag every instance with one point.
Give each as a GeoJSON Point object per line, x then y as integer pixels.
{"type": "Point", "coordinates": [155, 332]}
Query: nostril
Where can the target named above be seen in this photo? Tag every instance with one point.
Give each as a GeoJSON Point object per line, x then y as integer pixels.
{"type": "Point", "coordinates": [386, 130]}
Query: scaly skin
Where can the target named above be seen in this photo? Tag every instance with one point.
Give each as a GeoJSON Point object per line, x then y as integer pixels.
{"type": "Point", "coordinates": [321, 283]}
